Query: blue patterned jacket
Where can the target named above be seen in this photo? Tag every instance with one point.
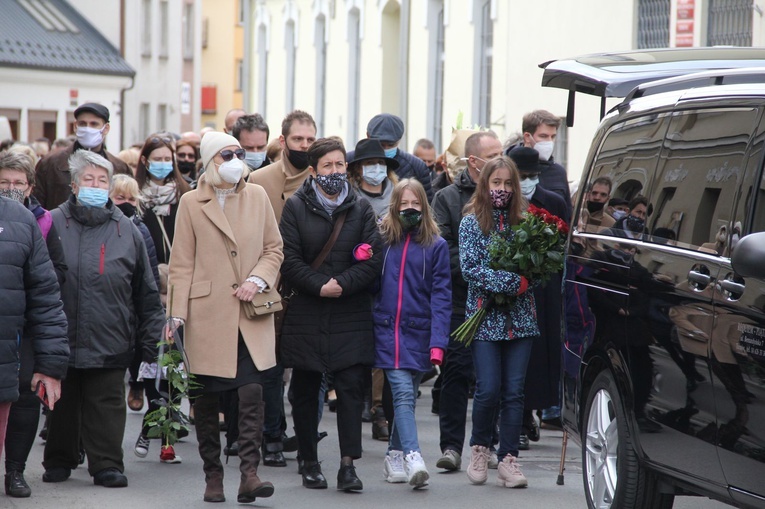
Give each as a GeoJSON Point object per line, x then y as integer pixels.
{"type": "Point", "coordinates": [521, 320]}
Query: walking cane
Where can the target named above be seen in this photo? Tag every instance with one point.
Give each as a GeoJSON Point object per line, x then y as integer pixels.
{"type": "Point", "coordinates": [562, 459]}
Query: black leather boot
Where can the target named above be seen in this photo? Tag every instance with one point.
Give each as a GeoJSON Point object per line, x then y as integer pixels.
{"type": "Point", "coordinates": [347, 480]}
{"type": "Point", "coordinates": [312, 476]}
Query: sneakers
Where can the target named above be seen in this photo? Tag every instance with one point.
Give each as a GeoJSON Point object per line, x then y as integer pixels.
{"type": "Point", "coordinates": [167, 455]}
{"type": "Point", "coordinates": [416, 473]}
{"type": "Point", "coordinates": [393, 467]}
{"type": "Point", "coordinates": [15, 485]}
{"type": "Point", "coordinates": [509, 473]}
{"type": "Point", "coordinates": [477, 470]}
{"type": "Point", "coordinates": [493, 461]}
{"type": "Point", "coordinates": [141, 446]}
{"type": "Point", "coordinates": [450, 460]}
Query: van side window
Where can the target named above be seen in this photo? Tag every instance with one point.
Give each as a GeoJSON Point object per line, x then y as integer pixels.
{"type": "Point", "coordinates": [699, 172]}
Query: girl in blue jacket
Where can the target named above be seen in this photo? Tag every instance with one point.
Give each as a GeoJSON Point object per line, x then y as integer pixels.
{"type": "Point", "coordinates": [411, 318]}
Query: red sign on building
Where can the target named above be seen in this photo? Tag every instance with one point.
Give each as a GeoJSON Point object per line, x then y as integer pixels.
{"type": "Point", "coordinates": [684, 24]}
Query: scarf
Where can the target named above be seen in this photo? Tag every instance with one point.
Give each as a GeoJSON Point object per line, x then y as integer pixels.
{"type": "Point", "coordinates": [158, 198]}
{"type": "Point", "coordinates": [330, 204]}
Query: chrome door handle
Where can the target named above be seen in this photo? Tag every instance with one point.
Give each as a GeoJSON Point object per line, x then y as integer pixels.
{"type": "Point", "coordinates": [699, 278]}
{"type": "Point", "coordinates": [732, 287]}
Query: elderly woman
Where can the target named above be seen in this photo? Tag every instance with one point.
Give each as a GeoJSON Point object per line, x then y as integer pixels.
{"type": "Point", "coordinates": [227, 249]}
{"type": "Point", "coordinates": [110, 297]}
{"type": "Point", "coordinates": [328, 327]}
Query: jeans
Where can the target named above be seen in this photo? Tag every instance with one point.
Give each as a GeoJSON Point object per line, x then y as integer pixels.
{"type": "Point", "coordinates": [500, 378]}
{"type": "Point", "coordinates": [404, 384]}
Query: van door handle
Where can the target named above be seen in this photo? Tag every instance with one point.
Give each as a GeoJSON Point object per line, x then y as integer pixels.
{"type": "Point", "coordinates": [735, 289]}
{"type": "Point", "coordinates": [699, 278]}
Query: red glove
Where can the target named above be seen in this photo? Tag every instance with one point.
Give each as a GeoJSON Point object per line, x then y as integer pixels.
{"type": "Point", "coordinates": [523, 286]}
{"type": "Point", "coordinates": [362, 252]}
{"type": "Point", "coordinates": [436, 356]}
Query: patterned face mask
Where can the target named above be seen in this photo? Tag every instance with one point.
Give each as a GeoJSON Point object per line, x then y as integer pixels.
{"type": "Point", "coordinates": [331, 184]}
{"type": "Point", "coordinates": [13, 194]}
{"type": "Point", "coordinates": [500, 198]}
{"type": "Point", "coordinates": [410, 219]}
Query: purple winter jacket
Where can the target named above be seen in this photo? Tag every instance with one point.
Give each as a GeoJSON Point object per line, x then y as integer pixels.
{"type": "Point", "coordinates": [413, 308]}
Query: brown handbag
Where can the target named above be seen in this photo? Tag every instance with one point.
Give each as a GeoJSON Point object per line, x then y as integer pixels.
{"type": "Point", "coordinates": [263, 303]}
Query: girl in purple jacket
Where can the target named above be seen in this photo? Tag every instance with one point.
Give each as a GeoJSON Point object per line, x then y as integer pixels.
{"type": "Point", "coordinates": [411, 319]}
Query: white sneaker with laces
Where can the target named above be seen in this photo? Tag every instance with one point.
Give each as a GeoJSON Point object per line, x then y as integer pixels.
{"type": "Point", "coordinates": [416, 472]}
{"type": "Point", "coordinates": [142, 446]}
{"type": "Point", "coordinates": [509, 473]}
{"type": "Point", "coordinates": [493, 461]}
{"type": "Point", "coordinates": [477, 470]}
{"type": "Point", "coordinates": [393, 467]}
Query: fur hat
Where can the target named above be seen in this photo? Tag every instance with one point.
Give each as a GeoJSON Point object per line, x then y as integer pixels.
{"type": "Point", "coordinates": [212, 143]}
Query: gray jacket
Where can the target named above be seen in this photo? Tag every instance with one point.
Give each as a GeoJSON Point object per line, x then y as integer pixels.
{"type": "Point", "coordinates": [110, 296]}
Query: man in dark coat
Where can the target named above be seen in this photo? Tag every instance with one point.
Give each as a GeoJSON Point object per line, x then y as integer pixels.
{"type": "Point", "coordinates": [389, 129]}
{"type": "Point", "coordinates": [91, 123]}
{"type": "Point", "coordinates": [31, 308]}
{"type": "Point", "coordinates": [543, 374]}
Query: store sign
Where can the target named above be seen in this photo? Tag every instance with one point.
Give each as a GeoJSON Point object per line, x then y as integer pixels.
{"type": "Point", "coordinates": [684, 24]}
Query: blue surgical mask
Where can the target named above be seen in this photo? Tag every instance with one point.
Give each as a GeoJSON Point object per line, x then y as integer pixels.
{"type": "Point", "coordinates": [390, 153]}
{"type": "Point", "coordinates": [374, 174]}
{"type": "Point", "coordinates": [92, 196]}
{"type": "Point", "coordinates": [254, 159]}
{"type": "Point", "coordinates": [160, 169]}
{"type": "Point", "coordinates": [529, 186]}
{"type": "Point", "coordinates": [618, 214]}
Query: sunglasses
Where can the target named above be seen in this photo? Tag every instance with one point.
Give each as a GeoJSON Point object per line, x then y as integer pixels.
{"type": "Point", "coordinates": [228, 155]}
{"type": "Point", "coordinates": [167, 141]}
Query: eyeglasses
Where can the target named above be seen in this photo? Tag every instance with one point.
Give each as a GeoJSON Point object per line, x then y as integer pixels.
{"type": "Point", "coordinates": [228, 155]}
{"type": "Point", "coordinates": [15, 184]}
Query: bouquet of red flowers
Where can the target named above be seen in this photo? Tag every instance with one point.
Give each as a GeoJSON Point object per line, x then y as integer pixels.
{"type": "Point", "coordinates": [533, 249]}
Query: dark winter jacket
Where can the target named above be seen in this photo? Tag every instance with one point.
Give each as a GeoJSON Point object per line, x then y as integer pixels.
{"type": "Point", "coordinates": [447, 208]}
{"type": "Point", "coordinates": [151, 221]}
{"type": "Point", "coordinates": [409, 166]}
{"type": "Point", "coordinates": [323, 333]}
{"type": "Point", "coordinates": [413, 307]}
{"type": "Point", "coordinates": [150, 249]}
{"type": "Point", "coordinates": [109, 287]}
{"type": "Point", "coordinates": [30, 303]}
{"type": "Point", "coordinates": [552, 177]}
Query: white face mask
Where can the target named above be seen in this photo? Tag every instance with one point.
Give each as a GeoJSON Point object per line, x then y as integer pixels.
{"type": "Point", "coordinates": [528, 186]}
{"type": "Point", "coordinates": [374, 174]}
{"type": "Point", "coordinates": [90, 137]}
{"type": "Point", "coordinates": [231, 171]}
{"type": "Point", "coordinates": [545, 148]}
{"type": "Point", "coordinates": [618, 214]}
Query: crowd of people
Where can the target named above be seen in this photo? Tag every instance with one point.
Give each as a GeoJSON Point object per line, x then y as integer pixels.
{"type": "Point", "coordinates": [377, 256]}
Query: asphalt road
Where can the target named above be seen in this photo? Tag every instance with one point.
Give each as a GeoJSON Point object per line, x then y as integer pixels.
{"type": "Point", "coordinates": [156, 485]}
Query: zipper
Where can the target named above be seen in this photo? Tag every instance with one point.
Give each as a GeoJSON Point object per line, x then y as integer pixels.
{"type": "Point", "coordinates": [400, 297]}
{"type": "Point", "coordinates": [101, 262]}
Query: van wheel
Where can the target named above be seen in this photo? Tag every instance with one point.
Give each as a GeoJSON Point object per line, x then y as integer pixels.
{"type": "Point", "coordinates": [613, 477]}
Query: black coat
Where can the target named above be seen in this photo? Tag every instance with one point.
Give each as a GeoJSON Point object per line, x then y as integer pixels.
{"type": "Point", "coordinates": [322, 333]}
{"type": "Point", "coordinates": [30, 302]}
{"type": "Point", "coordinates": [151, 221]}
{"type": "Point", "coordinates": [543, 372]}
{"type": "Point", "coordinates": [448, 205]}
{"type": "Point", "coordinates": [552, 177]}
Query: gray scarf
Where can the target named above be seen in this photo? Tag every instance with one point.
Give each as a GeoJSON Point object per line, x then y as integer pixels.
{"type": "Point", "coordinates": [330, 204]}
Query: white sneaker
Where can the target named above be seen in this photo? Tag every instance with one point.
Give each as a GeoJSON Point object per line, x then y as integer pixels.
{"type": "Point", "coordinates": [509, 473]}
{"type": "Point", "coordinates": [450, 460]}
{"type": "Point", "coordinates": [416, 472]}
{"type": "Point", "coordinates": [141, 446]}
{"type": "Point", "coordinates": [477, 470]}
{"type": "Point", "coordinates": [393, 467]}
{"type": "Point", "coordinates": [493, 461]}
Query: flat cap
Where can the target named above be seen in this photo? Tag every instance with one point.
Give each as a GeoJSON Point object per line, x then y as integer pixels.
{"type": "Point", "coordinates": [98, 110]}
{"type": "Point", "coordinates": [386, 127]}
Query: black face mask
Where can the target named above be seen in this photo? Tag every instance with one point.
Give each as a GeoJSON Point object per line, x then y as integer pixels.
{"type": "Point", "coordinates": [186, 167]}
{"type": "Point", "coordinates": [635, 224]}
{"type": "Point", "coordinates": [127, 208]}
{"type": "Point", "coordinates": [410, 219]}
{"type": "Point", "coordinates": [593, 206]}
{"type": "Point", "coordinates": [298, 158]}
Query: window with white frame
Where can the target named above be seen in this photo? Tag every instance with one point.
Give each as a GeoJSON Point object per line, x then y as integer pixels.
{"type": "Point", "coordinates": [320, 43]}
{"type": "Point", "coordinates": [485, 26]}
{"type": "Point", "coordinates": [290, 52]}
{"type": "Point", "coordinates": [354, 74]}
{"type": "Point", "coordinates": [146, 28]}
{"type": "Point", "coordinates": [164, 30]}
{"type": "Point", "coordinates": [262, 68]}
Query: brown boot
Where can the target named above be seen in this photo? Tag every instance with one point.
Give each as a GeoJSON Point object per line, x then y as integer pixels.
{"type": "Point", "coordinates": [250, 437]}
{"type": "Point", "coordinates": [208, 436]}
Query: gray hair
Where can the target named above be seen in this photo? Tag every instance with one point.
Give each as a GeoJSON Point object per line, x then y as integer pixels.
{"type": "Point", "coordinates": [18, 161]}
{"type": "Point", "coordinates": [81, 159]}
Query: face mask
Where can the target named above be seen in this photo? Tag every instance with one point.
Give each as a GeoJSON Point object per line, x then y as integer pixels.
{"type": "Point", "coordinates": [618, 214]}
{"type": "Point", "coordinates": [186, 167]}
{"type": "Point", "coordinates": [410, 219]}
{"type": "Point", "coordinates": [231, 171]}
{"type": "Point", "coordinates": [298, 159]}
{"type": "Point", "coordinates": [127, 208]}
{"type": "Point", "coordinates": [331, 184]}
{"type": "Point", "coordinates": [391, 152]}
{"type": "Point", "coordinates": [160, 170]}
{"type": "Point", "coordinates": [13, 194]}
{"type": "Point", "coordinates": [500, 198]}
{"type": "Point", "coordinates": [545, 149]}
{"type": "Point", "coordinates": [528, 186]}
{"type": "Point", "coordinates": [593, 207]}
{"type": "Point", "coordinates": [254, 159]}
{"type": "Point", "coordinates": [635, 224]}
{"type": "Point", "coordinates": [374, 174]}
{"type": "Point", "coordinates": [89, 137]}
{"type": "Point", "coordinates": [92, 196]}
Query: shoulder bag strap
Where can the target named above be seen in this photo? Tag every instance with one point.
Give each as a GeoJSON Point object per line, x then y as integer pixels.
{"type": "Point", "coordinates": [331, 242]}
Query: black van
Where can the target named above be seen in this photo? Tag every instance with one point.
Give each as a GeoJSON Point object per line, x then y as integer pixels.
{"type": "Point", "coordinates": [664, 358]}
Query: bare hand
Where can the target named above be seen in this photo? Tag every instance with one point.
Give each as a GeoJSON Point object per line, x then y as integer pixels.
{"type": "Point", "coordinates": [246, 291]}
{"type": "Point", "coordinates": [171, 326]}
{"type": "Point", "coordinates": [331, 289]}
{"type": "Point", "coordinates": [52, 387]}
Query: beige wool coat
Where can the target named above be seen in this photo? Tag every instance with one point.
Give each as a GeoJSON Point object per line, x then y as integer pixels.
{"type": "Point", "coordinates": [280, 180]}
{"type": "Point", "coordinates": [202, 281]}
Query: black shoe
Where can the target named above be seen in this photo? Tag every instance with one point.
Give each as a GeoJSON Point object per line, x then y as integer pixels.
{"type": "Point", "coordinates": [57, 474]}
{"type": "Point", "coordinates": [347, 480]}
{"type": "Point", "coordinates": [16, 486]}
{"type": "Point", "coordinates": [435, 407]}
{"type": "Point", "coordinates": [273, 455]}
{"type": "Point", "coordinates": [380, 430]}
{"type": "Point", "coordinates": [110, 478]}
{"type": "Point", "coordinates": [81, 459]}
{"type": "Point", "coordinates": [523, 443]}
{"type": "Point", "coordinates": [531, 428]}
{"type": "Point", "coordinates": [312, 476]}
{"type": "Point", "coordinates": [231, 450]}
{"type": "Point", "coordinates": [290, 443]}
{"type": "Point", "coordinates": [366, 412]}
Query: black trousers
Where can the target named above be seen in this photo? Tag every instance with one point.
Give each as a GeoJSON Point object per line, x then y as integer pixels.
{"type": "Point", "coordinates": [457, 375]}
{"type": "Point", "coordinates": [91, 409]}
{"type": "Point", "coordinates": [22, 429]}
{"type": "Point", "coordinates": [349, 386]}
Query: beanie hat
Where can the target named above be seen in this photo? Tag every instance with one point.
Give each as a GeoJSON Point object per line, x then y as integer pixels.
{"type": "Point", "coordinates": [386, 127]}
{"type": "Point", "coordinates": [525, 158]}
{"type": "Point", "coordinates": [212, 143]}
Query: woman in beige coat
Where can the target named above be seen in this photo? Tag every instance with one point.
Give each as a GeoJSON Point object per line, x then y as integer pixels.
{"type": "Point", "coordinates": [225, 220]}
